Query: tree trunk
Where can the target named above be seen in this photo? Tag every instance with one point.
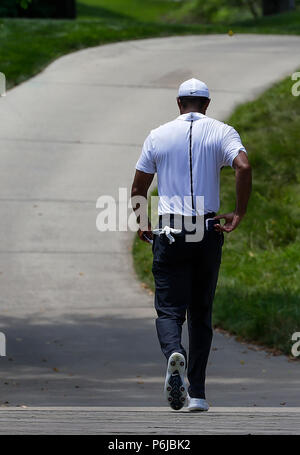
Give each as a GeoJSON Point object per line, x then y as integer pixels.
{"type": "Point", "coordinates": [69, 9]}
{"type": "Point", "coordinates": [252, 8]}
{"type": "Point", "coordinates": [277, 6]}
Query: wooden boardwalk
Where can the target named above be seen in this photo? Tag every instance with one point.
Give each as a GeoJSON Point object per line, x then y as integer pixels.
{"type": "Point", "coordinates": [151, 421]}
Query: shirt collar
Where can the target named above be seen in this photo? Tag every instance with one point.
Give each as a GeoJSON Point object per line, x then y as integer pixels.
{"type": "Point", "coordinates": [191, 116]}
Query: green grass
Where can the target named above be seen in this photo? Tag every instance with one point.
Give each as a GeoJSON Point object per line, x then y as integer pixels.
{"type": "Point", "coordinates": [28, 46]}
{"type": "Point", "coordinates": [139, 10]}
{"type": "Point", "coordinates": [259, 286]}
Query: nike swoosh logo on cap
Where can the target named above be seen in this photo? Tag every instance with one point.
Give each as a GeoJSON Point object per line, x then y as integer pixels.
{"type": "Point", "coordinates": [193, 92]}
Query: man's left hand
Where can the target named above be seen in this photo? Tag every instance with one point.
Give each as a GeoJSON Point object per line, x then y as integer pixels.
{"type": "Point", "coordinates": [232, 220]}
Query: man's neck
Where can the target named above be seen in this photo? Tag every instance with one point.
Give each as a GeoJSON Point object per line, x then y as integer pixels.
{"type": "Point", "coordinates": [187, 111]}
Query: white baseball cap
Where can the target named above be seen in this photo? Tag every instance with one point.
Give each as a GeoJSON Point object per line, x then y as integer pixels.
{"type": "Point", "coordinates": [193, 87]}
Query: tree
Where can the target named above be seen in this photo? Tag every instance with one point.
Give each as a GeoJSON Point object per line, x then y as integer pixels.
{"type": "Point", "coordinates": [56, 9]}
{"type": "Point", "coordinates": [38, 8]}
{"type": "Point", "coordinates": [24, 3]}
{"type": "Point", "coordinates": [277, 6]}
{"type": "Point", "coordinates": [252, 5]}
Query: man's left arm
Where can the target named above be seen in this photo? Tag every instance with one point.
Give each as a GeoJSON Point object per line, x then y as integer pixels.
{"type": "Point", "coordinates": [243, 178]}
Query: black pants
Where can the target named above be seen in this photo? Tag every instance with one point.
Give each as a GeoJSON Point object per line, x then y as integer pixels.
{"type": "Point", "coordinates": [186, 275]}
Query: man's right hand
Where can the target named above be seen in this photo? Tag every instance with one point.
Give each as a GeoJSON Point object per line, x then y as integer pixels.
{"type": "Point", "coordinates": [145, 235]}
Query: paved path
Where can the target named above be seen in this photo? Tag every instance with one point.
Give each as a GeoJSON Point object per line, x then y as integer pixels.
{"type": "Point", "coordinates": [152, 421]}
{"type": "Point", "coordinates": [80, 329]}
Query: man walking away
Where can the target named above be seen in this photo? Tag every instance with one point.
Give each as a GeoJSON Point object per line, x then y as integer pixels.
{"type": "Point", "coordinates": [187, 154]}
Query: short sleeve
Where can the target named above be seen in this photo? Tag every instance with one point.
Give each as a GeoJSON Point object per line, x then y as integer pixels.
{"type": "Point", "coordinates": [230, 146]}
{"type": "Point", "coordinates": [146, 162]}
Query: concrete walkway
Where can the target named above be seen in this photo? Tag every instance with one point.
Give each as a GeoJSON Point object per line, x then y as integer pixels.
{"type": "Point", "coordinates": [80, 328]}
{"type": "Point", "coordinates": [152, 421]}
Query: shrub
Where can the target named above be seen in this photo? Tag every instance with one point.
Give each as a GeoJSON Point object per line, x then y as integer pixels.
{"type": "Point", "coordinates": [38, 8]}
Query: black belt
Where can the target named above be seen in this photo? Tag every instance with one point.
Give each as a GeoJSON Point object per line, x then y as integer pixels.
{"type": "Point", "coordinates": [173, 218]}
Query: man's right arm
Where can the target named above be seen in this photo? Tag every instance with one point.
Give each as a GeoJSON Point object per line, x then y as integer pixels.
{"type": "Point", "coordinates": [139, 191]}
{"type": "Point", "coordinates": [145, 170]}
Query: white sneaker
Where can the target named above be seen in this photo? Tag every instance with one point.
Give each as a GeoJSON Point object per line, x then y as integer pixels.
{"type": "Point", "coordinates": [197, 404]}
{"type": "Point", "coordinates": [175, 388]}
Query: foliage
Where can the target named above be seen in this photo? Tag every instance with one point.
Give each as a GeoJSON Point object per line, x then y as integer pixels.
{"type": "Point", "coordinates": [24, 3]}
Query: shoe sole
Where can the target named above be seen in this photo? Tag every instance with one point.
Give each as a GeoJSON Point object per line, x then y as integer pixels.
{"type": "Point", "coordinates": [175, 389]}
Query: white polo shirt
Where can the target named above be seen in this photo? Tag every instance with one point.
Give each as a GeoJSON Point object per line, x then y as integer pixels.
{"type": "Point", "coordinates": [166, 151]}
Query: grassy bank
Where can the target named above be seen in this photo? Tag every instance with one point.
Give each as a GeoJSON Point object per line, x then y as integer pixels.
{"type": "Point", "coordinates": [27, 46]}
{"type": "Point", "coordinates": [259, 286]}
